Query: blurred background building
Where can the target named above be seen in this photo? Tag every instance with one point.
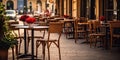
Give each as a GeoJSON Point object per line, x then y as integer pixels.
{"type": "Point", "coordinates": [91, 9]}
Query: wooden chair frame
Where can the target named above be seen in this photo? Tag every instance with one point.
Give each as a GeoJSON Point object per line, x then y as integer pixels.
{"type": "Point", "coordinates": [54, 27]}
{"type": "Point", "coordinates": [95, 35]}
{"type": "Point", "coordinates": [113, 25]}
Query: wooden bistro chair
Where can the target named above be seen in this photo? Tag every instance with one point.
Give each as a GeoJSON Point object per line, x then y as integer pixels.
{"type": "Point", "coordinates": [89, 28]}
{"type": "Point", "coordinates": [96, 35]}
{"type": "Point", "coordinates": [114, 31]}
{"type": "Point", "coordinates": [79, 29]}
{"type": "Point", "coordinates": [16, 32]}
{"type": "Point", "coordinates": [69, 28]}
{"type": "Point", "coordinates": [54, 28]}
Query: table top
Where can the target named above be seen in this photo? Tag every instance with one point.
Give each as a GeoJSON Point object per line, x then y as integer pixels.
{"type": "Point", "coordinates": [33, 27]}
{"type": "Point", "coordinates": [82, 23]}
{"type": "Point", "coordinates": [105, 23]}
{"type": "Point", "coordinates": [16, 25]}
{"type": "Point", "coordinates": [68, 20]}
{"type": "Point", "coordinates": [23, 25]}
{"type": "Point", "coordinates": [59, 18]}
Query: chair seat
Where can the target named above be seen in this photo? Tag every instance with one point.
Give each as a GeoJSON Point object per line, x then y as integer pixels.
{"type": "Point", "coordinates": [97, 34]}
{"type": "Point", "coordinates": [36, 37]}
{"type": "Point", "coordinates": [45, 40]}
{"type": "Point", "coordinates": [81, 31]}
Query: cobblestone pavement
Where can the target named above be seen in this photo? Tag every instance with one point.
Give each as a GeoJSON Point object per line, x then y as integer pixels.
{"type": "Point", "coordinates": [76, 51]}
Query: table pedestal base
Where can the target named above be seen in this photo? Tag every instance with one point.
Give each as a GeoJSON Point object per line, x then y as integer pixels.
{"type": "Point", "coordinates": [26, 56]}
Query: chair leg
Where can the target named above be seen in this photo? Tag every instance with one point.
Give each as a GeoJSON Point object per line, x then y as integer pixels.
{"type": "Point", "coordinates": [59, 53]}
{"type": "Point", "coordinates": [95, 41]}
{"type": "Point", "coordinates": [20, 45]}
{"type": "Point", "coordinates": [111, 44]}
{"type": "Point", "coordinates": [16, 51]}
{"type": "Point", "coordinates": [43, 34]}
{"type": "Point", "coordinates": [36, 49]}
{"type": "Point", "coordinates": [37, 46]}
{"type": "Point", "coordinates": [66, 33]}
{"type": "Point", "coordinates": [13, 53]}
{"type": "Point", "coordinates": [28, 41]}
{"type": "Point", "coordinates": [48, 52]}
{"type": "Point", "coordinates": [104, 42]}
{"type": "Point", "coordinates": [90, 41]}
{"type": "Point", "coordinates": [75, 37]}
{"type": "Point", "coordinates": [43, 49]}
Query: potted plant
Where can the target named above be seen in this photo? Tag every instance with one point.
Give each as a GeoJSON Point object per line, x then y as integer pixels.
{"type": "Point", "coordinates": [7, 39]}
{"type": "Point", "coordinates": [5, 43]}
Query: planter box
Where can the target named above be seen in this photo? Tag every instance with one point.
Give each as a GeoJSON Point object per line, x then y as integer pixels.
{"type": "Point", "coordinates": [3, 54]}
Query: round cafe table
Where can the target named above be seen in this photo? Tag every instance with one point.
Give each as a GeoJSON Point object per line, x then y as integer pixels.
{"type": "Point", "coordinates": [32, 39]}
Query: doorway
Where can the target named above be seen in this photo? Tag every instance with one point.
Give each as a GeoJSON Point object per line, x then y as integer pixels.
{"type": "Point", "coordinates": [10, 5]}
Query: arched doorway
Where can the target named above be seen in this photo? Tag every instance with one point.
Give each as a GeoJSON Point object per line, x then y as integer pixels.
{"type": "Point", "coordinates": [39, 6]}
{"type": "Point", "coordinates": [10, 5]}
{"type": "Point", "coordinates": [30, 6]}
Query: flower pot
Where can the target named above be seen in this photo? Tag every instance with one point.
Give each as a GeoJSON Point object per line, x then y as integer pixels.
{"type": "Point", "coordinates": [65, 18]}
{"type": "Point", "coordinates": [101, 22]}
{"type": "Point", "coordinates": [3, 54]}
{"type": "Point", "coordinates": [25, 23]}
{"type": "Point", "coordinates": [30, 25]}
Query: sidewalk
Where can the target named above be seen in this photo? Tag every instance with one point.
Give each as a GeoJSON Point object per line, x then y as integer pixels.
{"type": "Point", "coordinates": [78, 51]}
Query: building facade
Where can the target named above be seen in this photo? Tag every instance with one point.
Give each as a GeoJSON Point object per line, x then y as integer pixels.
{"type": "Point", "coordinates": [31, 5]}
{"type": "Point", "coordinates": [91, 9]}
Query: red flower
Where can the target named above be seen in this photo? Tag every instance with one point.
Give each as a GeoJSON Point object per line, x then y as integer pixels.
{"type": "Point", "coordinates": [47, 13]}
{"type": "Point", "coordinates": [23, 17]}
{"type": "Point", "coordinates": [30, 20]}
{"type": "Point", "coordinates": [66, 16]}
{"type": "Point", "coordinates": [102, 18]}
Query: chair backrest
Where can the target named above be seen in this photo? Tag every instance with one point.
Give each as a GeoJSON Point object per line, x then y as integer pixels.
{"type": "Point", "coordinates": [15, 31]}
{"type": "Point", "coordinates": [114, 24]}
{"type": "Point", "coordinates": [83, 19]}
{"type": "Point", "coordinates": [90, 26]}
{"type": "Point", "coordinates": [75, 22]}
{"type": "Point", "coordinates": [55, 27]}
{"type": "Point", "coordinates": [76, 26]}
{"type": "Point", "coordinates": [13, 27]}
{"type": "Point", "coordinates": [96, 26]}
{"type": "Point", "coordinates": [114, 27]}
{"type": "Point", "coordinates": [13, 22]}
